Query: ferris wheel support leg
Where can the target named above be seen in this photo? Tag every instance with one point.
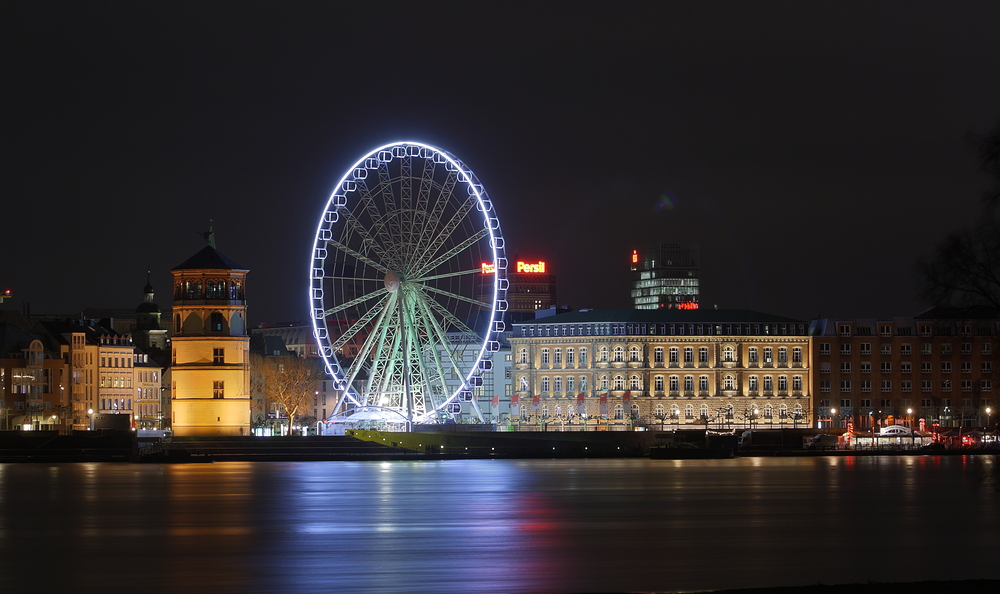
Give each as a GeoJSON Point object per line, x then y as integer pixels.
{"type": "Point", "coordinates": [475, 407]}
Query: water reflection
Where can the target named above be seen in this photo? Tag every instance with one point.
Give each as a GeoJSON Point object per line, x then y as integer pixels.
{"type": "Point", "coordinates": [499, 526]}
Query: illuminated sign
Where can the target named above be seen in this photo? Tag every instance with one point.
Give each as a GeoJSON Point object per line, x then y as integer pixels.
{"type": "Point", "coordinates": [489, 268]}
{"type": "Point", "coordinates": [635, 256]}
{"type": "Point", "coordinates": [538, 268]}
{"type": "Point", "coordinates": [687, 305]}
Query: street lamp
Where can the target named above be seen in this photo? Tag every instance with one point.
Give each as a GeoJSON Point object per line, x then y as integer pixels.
{"type": "Point", "coordinates": [90, 415]}
{"type": "Point", "coordinates": [833, 417]}
{"type": "Point", "coordinates": [989, 411]}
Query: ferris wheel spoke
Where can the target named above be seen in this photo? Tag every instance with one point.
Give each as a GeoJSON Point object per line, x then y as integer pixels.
{"type": "Point", "coordinates": [370, 207]}
{"type": "Point", "coordinates": [456, 351]}
{"type": "Point", "coordinates": [447, 275]}
{"type": "Point", "coordinates": [446, 232]}
{"type": "Point", "coordinates": [433, 336]}
{"type": "Point", "coordinates": [369, 342]}
{"type": "Point", "coordinates": [425, 267]}
{"type": "Point", "coordinates": [482, 304]}
{"type": "Point", "coordinates": [448, 316]}
{"type": "Point", "coordinates": [354, 226]}
{"type": "Point", "coordinates": [356, 255]}
{"type": "Point", "coordinates": [362, 322]}
{"type": "Point", "coordinates": [434, 215]}
{"type": "Point", "coordinates": [342, 306]}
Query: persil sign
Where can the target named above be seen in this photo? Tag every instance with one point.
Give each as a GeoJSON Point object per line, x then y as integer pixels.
{"type": "Point", "coordinates": [523, 267]}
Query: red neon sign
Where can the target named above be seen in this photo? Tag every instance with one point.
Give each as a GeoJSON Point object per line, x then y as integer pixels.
{"type": "Point", "coordinates": [635, 256]}
{"type": "Point", "coordinates": [687, 305]}
{"type": "Point", "coordinates": [538, 268]}
{"type": "Point", "coordinates": [489, 268]}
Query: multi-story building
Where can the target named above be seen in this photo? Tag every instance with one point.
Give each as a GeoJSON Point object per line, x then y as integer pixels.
{"type": "Point", "coordinates": [33, 381]}
{"type": "Point", "coordinates": [685, 367]}
{"type": "Point", "coordinates": [210, 379]}
{"type": "Point", "coordinates": [937, 367]}
{"type": "Point", "coordinates": [532, 287]}
{"type": "Point", "coordinates": [665, 275]}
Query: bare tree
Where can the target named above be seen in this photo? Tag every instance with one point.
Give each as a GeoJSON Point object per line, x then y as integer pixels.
{"type": "Point", "coordinates": [289, 383]}
{"type": "Point", "coordinates": [964, 270]}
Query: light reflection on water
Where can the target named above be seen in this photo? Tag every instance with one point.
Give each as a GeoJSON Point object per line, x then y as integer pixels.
{"type": "Point", "coordinates": [498, 525]}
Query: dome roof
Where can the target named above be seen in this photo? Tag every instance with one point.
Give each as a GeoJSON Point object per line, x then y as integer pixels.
{"type": "Point", "coordinates": [147, 307]}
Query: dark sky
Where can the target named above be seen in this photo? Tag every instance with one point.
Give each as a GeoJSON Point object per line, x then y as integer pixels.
{"type": "Point", "coordinates": [814, 149]}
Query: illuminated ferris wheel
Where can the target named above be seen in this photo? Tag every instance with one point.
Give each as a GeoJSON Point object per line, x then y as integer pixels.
{"type": "Point", "coordinates": [408, 284]}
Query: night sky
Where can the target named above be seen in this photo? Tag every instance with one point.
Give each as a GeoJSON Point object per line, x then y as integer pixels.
{"type": "Point", "coordinates": [814, 149]}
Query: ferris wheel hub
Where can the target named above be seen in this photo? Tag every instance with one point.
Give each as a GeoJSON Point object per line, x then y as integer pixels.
{"type": "Point", "coordinates": [392, 281]}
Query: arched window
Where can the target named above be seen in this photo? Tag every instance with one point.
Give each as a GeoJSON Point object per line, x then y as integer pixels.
{"type": "Point", "coordinates": [729, 354]}
{"type": "Point", "coordinates": [619, 354]}
{"type": "Point", "coordinates": [782, 383]}
{"type": "Point", "coordinates": [522, 356]}
{"type": "Point", "coordinates": [703, 411]}
{"type": "Point", "coordinates": [783, 411]}
{"type": "Point", "coordinates": [545, 356]}
{"type": "Point", "coordinates": [619, 412]}
{"type": "Point", "coordinates": [754, 385]}
{"type": "Point", "coordinates": [619, 382]}
{"type": "Point", "coordinates": [633, 354]}
{"type": "Point", "coordinates": [673, 354]}
{"type": "Point", "coordinates": [633, 383]}
{"type": "Point", "coordinates": [689, 411]}
{"type": "Point", "coordinates": [635, 411]}
{"type": "Point", "coordinates": [658, 411]}
{"type": "Point", "coordinates": [604, 354]}
{"type": "Point", "coordinates": [675, 411]}
{"type": "Point", "coordinates": [604, 382]}
{"type": "Point", "coordinates": [729, 383]}
{"type": "Point", "coordinates": [674, 383]}
{"type": "Point", "coordinates": [658, 383]}
{"type": "Point", "coordinates": [545, 385]}
{"type": "Point", "coordinates": [768, 411]}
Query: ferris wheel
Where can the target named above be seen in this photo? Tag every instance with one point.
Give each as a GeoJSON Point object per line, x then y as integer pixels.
{"type": "Point", "coordinates": [408, 283]}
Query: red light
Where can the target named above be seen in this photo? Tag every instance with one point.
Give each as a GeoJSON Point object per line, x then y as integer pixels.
{"type": "Point", "coordinates": [635, 256]}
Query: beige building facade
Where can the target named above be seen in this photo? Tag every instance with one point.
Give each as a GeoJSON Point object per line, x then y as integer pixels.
{"type": "Point", "coordinates": [720, 368]}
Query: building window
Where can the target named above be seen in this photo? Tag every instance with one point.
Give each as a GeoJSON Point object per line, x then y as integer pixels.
{"type": "Point", "coordinates": [986, 348]}
{"type": "Point", "coordinates": [768, 355]}
{"type": "Point", "coordinates": [673, 354]}
{"type": "Point", "coordinates": [619, 382]}
{"type": "Point", "coordinates": [824, 385]}
{"type": "Point", "coordinates": [966, 348]}
{"type": "Point", "coordinates": [844, 329]}
{"type": "Point", "coordinates": [753, 384]}
{"type": "Point", "coordinates": [887, 385]}
{"type": "Point", "coordinates": [986, 366]}
{"type": "Point", "coordinates": [768, 383]}
{"type": "Point", "coordinates": [674, 383]}
{"type": "Point", "coordinates": [797, 383]}
{"type": "Point", "coordinates": [604, 354]}
{"type": "Point", "coordinates": [866, 367]}
{"type": "Point", "coordinates": [658, 355]}
{"type": "Point", "coordinates": [866, 385]}
{"type": "Point", "coordinates": [688, 354]}
{"type": "Point", "coordinates": [703, 411]}
{"type": "Point", "coordinates": [906, 367]}
{"type": "Point", "coordinates": [966, 385]}
{"type": "Point", "coordinates": [866, 348]}
{"type": "Point", "coordinates": [945, 366]}
{"type": "Point", "coordinates": [545, 385]}
{"type": "Point", "coordinates": [797, 355]}
{"type": "Point", "coordinates": [886, 366]}
{"type": "Point", "coordinates": [782, 355]}
{"type": "Point", "coordinates": [557, 385]}
{"type": "Point", "coordinates": [729, 383]}
{"type": "Point", "coordinates": [689, 383]}
{"type": "Point", "coordinates": [905, 349]}
{"type": "Point", "coordinates": [845, 367]}
{"type": "Point", "coordinates": [633, 383]}
{"type": "Point", "coordinates": [845, 385]}
{"type": "Point", "coordinates": [946, 385]}
{"type": "Point", "coordinates": [703, 354]}
{"type": "Point", "coordinates": [557, 357]}
{"type": "Point", "coordinates": [925, 348]}
{"type": "Point", "coordinates": [658, 383]}
{"type": "Point", "coordinates": [752, 355]}
{"type": "Point", "coordinates": [782, 383]}
{"type": "Point", "coordinates": [946, 348]}
{"type": "Point", "coordinates": [522, 356]}
{"type": "Point", "coordinates": [986, 385]}
{"type": "Point", "coordinates": [619, 356]}
{"type": "Point", "coordinates": [219, 356]}
{"type": "Point", "coordinates": [545, 356]}
{"type": "Point", "coordinates": [703, 383]}
{"type": "Point", "coordinates": [633, 354]}
{"type": "Point", "coordinates": [925, 367]}
{"type": "Point", "coordinates": [583, 357]}
{"type": "Point", "coordinates": [845, 348]}
{"type": "Point", "coordinates": [925, 386]}
{"type": "Point", "coordinates": [966, 367]}
{"type": "Point", "coordinates": [218, 389]}
{"type": "Point", "coordinates": [688, 411]}
{"type": "Point", "coordinates": [824, 348]}
{"type": "Point", "coordinates": [886, 349]}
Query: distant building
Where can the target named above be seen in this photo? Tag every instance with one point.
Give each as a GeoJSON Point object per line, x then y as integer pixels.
{"type": "Point", "coordinates": [532, 287]}
{"type": "Point", "coordinates": [937, 367]}
{"type": "Point", "coordinates": [210, 374]}
{"type": "Point", "coordinates": [665, 275]}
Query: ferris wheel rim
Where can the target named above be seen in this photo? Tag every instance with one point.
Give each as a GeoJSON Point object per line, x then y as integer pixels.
{"type": "Point", "coordinates": [489, 339]}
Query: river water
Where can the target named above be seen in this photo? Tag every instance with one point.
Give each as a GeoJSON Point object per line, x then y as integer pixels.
{"type": "Point", "coordinates": [633, 525]}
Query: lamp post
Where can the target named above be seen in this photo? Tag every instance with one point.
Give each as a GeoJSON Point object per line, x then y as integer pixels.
{"type": "Point", "coordinates": [833, 417]}
{"type": "Point", "coordinates": [90, 416]}
{"type": "Point", "coordinates": [909, 421]}
{"type": "Point", "coordinates": [989, 411]}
